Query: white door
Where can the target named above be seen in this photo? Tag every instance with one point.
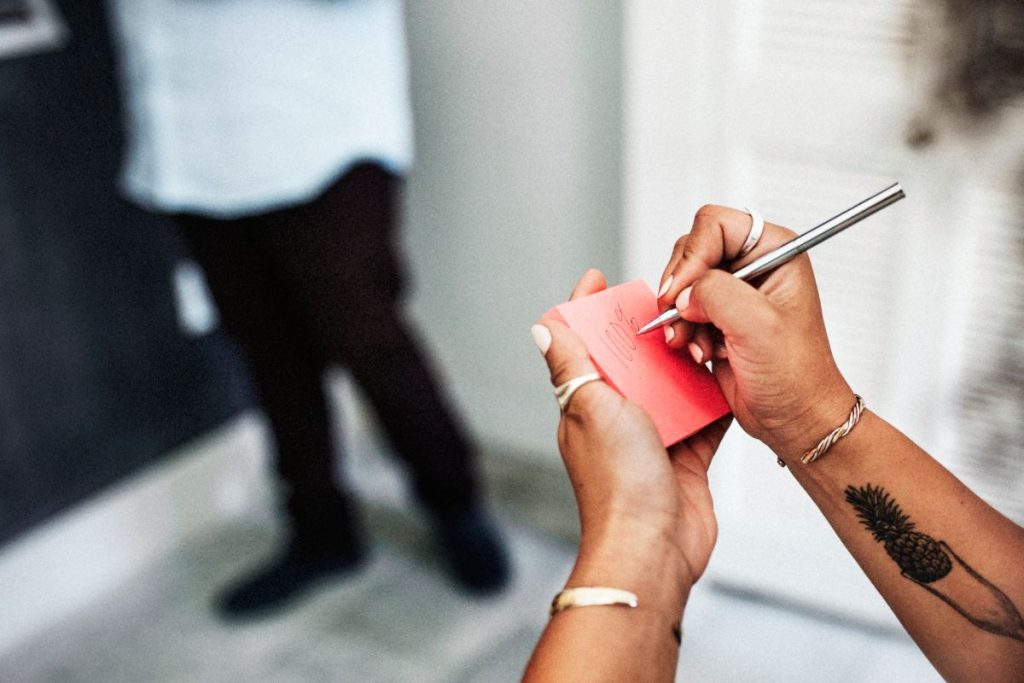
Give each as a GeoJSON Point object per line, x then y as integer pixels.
{"type": "Point", "coordinates": [801, 109]}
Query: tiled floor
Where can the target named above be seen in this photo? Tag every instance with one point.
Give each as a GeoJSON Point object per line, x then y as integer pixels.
{"type": "Point", "coordinates": [399, 619]}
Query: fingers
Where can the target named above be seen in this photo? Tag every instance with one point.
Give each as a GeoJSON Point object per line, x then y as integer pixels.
{"type": "Point", "coordinates": [678, 333]}
{"type": "Point", "coordinates": [673, 261]}
{"type": "Point", "coordinates": [704, 443]}
{"type": "Point", "coordinates": [591, 282]}
{"type": "Point", "coordinates": [566, 354]}
{"type": "Point", "coordinates": [563, 350]}
{"type": "Point", "coordinates": [717, 236]}
{"type": "Point", "coordinates": [702, 345]}
{"type": "Point", "coordinates": [734, 307]}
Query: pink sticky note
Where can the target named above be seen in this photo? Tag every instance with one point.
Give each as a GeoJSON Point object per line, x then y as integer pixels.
{"type": "Point", "coordinates": [680, 396]}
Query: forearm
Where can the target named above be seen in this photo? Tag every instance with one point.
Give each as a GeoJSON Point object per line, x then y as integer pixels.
{"type": "Point", "coordinates": [951, 570]}
{"type": "Point", "coordinates": [616, 643]}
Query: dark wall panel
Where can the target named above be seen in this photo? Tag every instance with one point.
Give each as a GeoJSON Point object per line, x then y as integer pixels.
{"type": "Point", "coordinates": [95, 378]}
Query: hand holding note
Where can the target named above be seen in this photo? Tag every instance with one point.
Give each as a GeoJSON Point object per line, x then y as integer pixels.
{"type": "Point", "coordinates": [631, 491]}
{"type": "Point", "coordinates": [680, 396]}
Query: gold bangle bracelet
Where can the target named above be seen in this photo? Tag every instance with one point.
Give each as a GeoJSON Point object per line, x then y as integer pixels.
{"type": "Point", "coordinates": [836, 434]}
{"type": "Point", "coordinates": [830, 440]}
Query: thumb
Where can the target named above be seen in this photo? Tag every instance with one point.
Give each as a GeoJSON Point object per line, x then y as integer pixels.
{"type": "Point", "coordinates": [564, 351]}
{"type": "Point", "coordinates": [736, 308]}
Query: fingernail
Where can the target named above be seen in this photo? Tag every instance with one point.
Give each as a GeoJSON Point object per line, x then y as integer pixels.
{"type": "Point", "coordinates": [695, 351]}
{"type": "Point", "coordinates": [542, 338]}
{"type": "Point", "coordinates": [683, 300]}
{"type": "Point", "coordinates": [670, 334]}
{"type": "Point", "coordinates": [664, 286]}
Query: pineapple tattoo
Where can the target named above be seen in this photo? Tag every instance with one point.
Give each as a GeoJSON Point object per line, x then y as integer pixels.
{"type": "Point", "coordinates": [919, 556]}
{"type": "Point", "coordinates": [933, 565]}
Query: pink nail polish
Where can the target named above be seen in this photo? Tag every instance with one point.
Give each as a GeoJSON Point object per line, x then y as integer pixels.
{"type": "Point", "coordinates": [683, 300]}
{"type": "Point", "coordinates": [670, 334]}
{"type": "Point", "coordinates": [698, 355]}
{"type": "Point", "coordinates": [664, 286]}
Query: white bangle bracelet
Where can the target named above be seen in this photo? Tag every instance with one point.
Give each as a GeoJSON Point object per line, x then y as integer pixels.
{"type": "Point", "coordinates": [591, 596]}
{"type": "Point", "coordinates": [598, 596]}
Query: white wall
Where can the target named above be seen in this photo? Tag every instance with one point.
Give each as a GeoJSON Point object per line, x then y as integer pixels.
{"type": "Point", "coordinates": [516, 190]}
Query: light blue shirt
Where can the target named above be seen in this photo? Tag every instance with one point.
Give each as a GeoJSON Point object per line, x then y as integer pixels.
{"type": "Point", "coordinates": [236, 107]}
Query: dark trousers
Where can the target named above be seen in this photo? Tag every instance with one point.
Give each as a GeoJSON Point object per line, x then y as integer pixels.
{"type": "Point", "coordinates": [304, 287]}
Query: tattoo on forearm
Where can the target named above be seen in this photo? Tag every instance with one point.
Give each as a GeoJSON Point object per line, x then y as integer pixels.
{"type": "Point", "coordinates": [933, 565]}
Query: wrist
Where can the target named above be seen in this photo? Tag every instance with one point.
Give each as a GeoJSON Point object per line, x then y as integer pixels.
{"type": "Point", "coordinates": [638, 557]}
{"type": "Point", "coordinates": [829, 410]}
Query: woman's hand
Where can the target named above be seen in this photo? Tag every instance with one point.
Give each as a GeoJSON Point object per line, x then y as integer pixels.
{"type": "Point", "coordinates": [628, 487]}
{"type": "Point", "coordinates": [767, 339]}
{"type": "Point", "coordinates": [648, 526]}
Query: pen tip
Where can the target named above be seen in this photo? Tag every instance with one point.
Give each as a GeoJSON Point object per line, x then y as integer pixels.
{"type": "Point", "coordinates": [665, 318]}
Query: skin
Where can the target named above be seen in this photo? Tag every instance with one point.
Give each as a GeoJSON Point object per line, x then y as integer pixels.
{"type": "Point", "coordinates": [648, 523]}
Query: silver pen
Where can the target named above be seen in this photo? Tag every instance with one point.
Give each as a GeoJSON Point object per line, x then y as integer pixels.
{"type": "Point", "coordinates": [800, 244]}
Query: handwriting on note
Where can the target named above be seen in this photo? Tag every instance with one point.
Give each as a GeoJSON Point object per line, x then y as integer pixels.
{"type": "Point", "coordinates": [680, 396]}
{"type": "Point", "coordinates": [620, 337]}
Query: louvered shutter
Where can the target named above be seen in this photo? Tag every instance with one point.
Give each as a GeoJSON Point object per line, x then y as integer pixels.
{"type": "Point", "coordinates": [801, 109]}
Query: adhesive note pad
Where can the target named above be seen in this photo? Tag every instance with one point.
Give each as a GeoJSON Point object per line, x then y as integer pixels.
{"type": "Point", "coordinates": [680, 395]}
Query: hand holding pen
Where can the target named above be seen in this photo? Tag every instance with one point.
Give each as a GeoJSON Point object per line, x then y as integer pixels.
{"type": "Point", "coordinates": [791, 249]}
{"type": "Point", "coordinates": [773, 360]}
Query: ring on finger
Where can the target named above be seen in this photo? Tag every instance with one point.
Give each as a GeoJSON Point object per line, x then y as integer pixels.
{"type": "Point", "coordinates": [756, 230]}
{"type": "Point", "coordinates": [564, 391]}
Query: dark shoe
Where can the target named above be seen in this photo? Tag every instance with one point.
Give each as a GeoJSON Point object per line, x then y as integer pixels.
{"type": "Point", "coordinates": [473, 550]}
{"type": "Point", "coordinates": [286, 578]}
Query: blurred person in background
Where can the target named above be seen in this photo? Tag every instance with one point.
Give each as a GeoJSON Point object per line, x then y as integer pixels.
{"type": "Point", "coordinates": [275, 134]}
